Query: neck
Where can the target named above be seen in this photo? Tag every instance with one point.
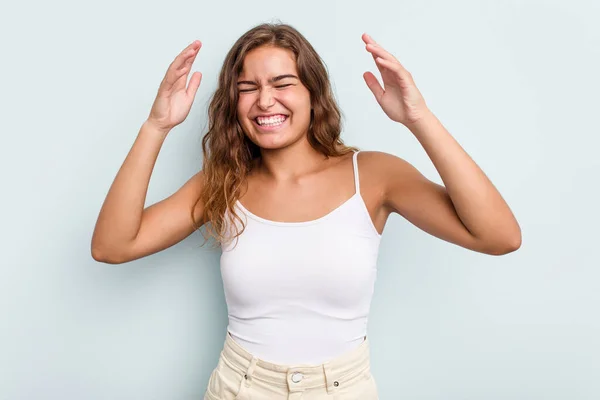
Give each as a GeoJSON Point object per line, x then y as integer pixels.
{"type": "Point", "coordinates": [290, 163]}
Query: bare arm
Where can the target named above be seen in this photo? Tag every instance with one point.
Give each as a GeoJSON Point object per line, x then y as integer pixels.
{"type": "Point", "coordinates": [121, 214]}
{"type": "Point", "coordinates": [125, 230]}
{"type": "Point", "coordinates": [476, 201]}
{"type": "Point", "coordinates": [468, 211]}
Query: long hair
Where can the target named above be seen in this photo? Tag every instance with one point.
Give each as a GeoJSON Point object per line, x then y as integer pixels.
{"type": "Point", "coordinates": [228, 153]}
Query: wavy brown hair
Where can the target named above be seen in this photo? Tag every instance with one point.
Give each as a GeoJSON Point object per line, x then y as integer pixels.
{"type": "Point", "coordinates": [228, 153]}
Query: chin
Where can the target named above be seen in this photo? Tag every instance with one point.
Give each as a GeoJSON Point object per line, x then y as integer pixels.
{"type": "Point", "coordinates": [276, 140]}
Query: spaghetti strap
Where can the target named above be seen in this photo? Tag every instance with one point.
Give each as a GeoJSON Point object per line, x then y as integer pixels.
{"type": "Point", "coordinates": [355, 164]}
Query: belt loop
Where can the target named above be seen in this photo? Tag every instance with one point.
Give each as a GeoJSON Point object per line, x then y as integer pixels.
{"type": "Point", "coordinates": [331, 384]}
{"type": "Point", "coordinates": [248, 375]}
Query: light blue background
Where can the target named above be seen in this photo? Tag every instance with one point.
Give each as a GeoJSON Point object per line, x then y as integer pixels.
{"type": "Point", "coordinates": [516, 82]}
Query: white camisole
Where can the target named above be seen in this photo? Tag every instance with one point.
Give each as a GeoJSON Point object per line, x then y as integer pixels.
{"type": "Point", "coordinates": [300, 292]}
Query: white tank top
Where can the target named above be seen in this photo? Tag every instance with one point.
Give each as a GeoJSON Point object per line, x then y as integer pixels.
{"type": "Point", "coordinates": [300, 292]}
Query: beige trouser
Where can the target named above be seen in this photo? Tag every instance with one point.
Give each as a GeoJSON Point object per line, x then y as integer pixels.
{"type": "Point", "coordinates": [242, 376]}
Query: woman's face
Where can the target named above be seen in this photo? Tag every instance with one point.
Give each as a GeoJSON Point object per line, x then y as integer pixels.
{"type": "Point", "coordinates": [273, 105]}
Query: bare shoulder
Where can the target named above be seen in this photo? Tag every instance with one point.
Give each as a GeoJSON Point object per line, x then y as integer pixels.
{"type": "Point", "coordinates": [195, 186]}
{"type": "Point", "coordinates": [389, 178]}
{"type": "Point", "coordinates": [380, 160]}
{"type": "Point", "coordinates": [379, 168]}
{"type": "Point", "coordinates": [189, 197]}
{"type": "Point", "coordinates": [186, 199]}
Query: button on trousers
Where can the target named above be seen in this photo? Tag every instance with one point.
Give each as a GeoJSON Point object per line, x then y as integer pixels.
{"type": "Point", "coordinates": [239, 375]}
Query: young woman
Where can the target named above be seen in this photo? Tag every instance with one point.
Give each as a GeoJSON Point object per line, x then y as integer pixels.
{"type": "Point", "coordinates": [298, 214]}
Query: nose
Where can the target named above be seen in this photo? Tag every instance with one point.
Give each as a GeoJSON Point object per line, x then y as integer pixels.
{"type": "Point", "coordinates": [265, 99]}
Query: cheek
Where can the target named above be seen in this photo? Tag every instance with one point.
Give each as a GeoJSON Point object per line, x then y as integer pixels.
{"type": "Point", "coordinates": [299, 105]}
{"type": "Point", "coordinates": [303, 102]}
{"type": "Point", "coordinates": [243, 106]}
{"type": "Point", "coordinates": [243, 109]}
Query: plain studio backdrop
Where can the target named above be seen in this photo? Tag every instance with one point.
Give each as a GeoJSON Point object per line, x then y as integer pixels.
{"type": "Point", "coordinates": [515, 82]}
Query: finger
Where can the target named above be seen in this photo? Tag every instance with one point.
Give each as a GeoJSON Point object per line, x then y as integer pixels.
{"type": "Point", "coordinates": [395, 67]}
{"type": "Point", "coordinates": [182, 63]}
{"type": "Point", "coordinates": [374, 85]}
{"type": "Point", "coordinates": [195, 45]}
{"type": "Point", "coordinates": [368, 39]}
{"type": "Point", "coordinates": [194, 84]}
{"type": "Point", "coordinates": [189, 53]}
{"type": "Point", "coordinates": [378, 51]}
{"type": "Point", "coordinates": [379, 67]}
{"type": "Point", "coordinates": [172, 77]}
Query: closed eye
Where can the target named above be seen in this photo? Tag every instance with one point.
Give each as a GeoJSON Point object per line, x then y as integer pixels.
{"type": "Point", "coordinates": [251, 90]}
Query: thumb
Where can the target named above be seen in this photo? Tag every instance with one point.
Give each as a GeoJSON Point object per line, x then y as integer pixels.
{"type": "Point", "coordinates": [194, 84]}
{"type": "Point", "coordinates": [374, 85]}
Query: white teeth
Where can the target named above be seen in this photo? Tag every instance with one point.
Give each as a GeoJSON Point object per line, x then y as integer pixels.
{"type": "Point", "coordinates": [271, 121]}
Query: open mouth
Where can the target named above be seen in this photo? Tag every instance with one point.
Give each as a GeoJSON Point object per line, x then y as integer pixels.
{"type": "Point", "coordinates": [271, 123]}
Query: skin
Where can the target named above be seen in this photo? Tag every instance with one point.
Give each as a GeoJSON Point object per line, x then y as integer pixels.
{"type": "Point", "coordinates": [292, 182]}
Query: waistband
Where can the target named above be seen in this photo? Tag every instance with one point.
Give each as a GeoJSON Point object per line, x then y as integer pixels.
{"type": "Point", "coordinates": [330, 374]}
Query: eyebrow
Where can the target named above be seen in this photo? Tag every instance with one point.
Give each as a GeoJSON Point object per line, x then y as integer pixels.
{"type": "Point", "coordinates": [272, 80]}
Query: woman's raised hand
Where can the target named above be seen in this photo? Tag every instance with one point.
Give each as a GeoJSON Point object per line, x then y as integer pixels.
{"type": "Point", "coordinates": [399, 97]}
{"type": "Point", "coordinates": [174, 101]}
